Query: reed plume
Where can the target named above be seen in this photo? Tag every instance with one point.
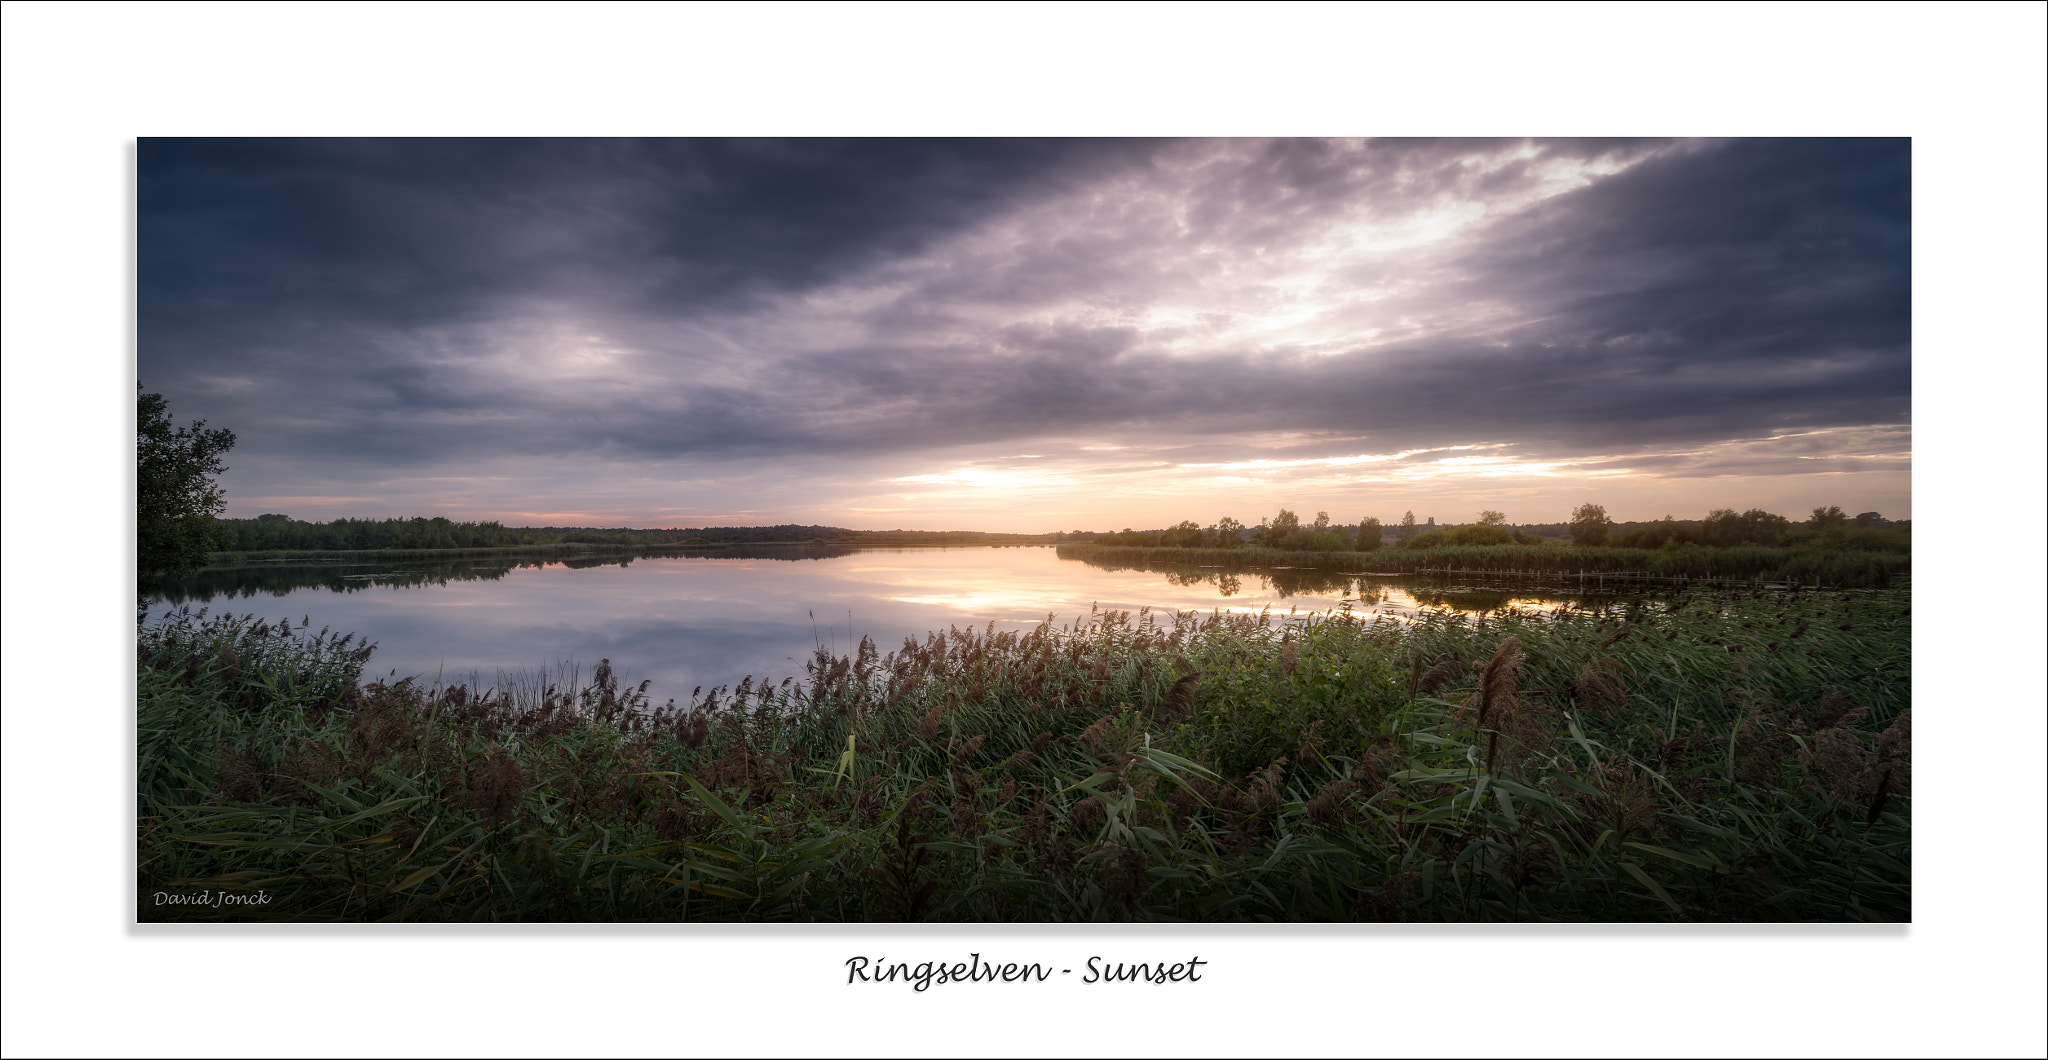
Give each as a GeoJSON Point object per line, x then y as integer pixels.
{"type": "Point", "coordinates": [1497, 681]}
{"type": "Point", "coordinates": [1181, 698]}
{"type": "Point", "coordinates": [1437, 677]}
{"type": "Point", "coordinates": [1600, 686]}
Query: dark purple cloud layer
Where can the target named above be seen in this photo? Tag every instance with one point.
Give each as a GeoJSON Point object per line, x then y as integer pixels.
{"type": "Point", "coordinates": [377, 306]}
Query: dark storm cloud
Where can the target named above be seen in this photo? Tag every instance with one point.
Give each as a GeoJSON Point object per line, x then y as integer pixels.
{"type": "Point", "coordinates": [348, 269]}
{"type": "Point", "coordinates": [1727, 288]}
{"type": "Point", "coordinates": [1711, 292]}
{"type": "Point", "coordinates": [411, 232]}
{"type": "Point", "coordinates": [395, 303]}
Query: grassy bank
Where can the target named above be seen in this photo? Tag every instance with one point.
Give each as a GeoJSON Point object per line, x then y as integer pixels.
{"type": "Point", "coordinates": [1805, 566]}
{"type": "Point", "coordinates": [1735, 756]}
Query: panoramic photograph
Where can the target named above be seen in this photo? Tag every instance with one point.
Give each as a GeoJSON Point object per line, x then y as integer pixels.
{"type": "Point", "coordinates": [1212, 531]}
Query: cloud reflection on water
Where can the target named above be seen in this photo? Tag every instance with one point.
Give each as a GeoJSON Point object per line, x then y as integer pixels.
{"type": "Point", "coordinates": [685, 621]}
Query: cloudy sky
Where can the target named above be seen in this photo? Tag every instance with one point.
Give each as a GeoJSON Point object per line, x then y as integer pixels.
{"type": "Point", "coordinates": [1031, 336]}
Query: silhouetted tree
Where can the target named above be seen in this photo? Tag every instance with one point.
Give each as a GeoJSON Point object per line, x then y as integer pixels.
{"type": "Point", "coordinates": [176, 497]}
{"type": "Point", "coordinates": [1589, 525]}
{"type": "Point", "coordinates": [1407, 527]}
{"type": "Point", "coordinates": [1368, 534]}
{"type": "Point", "coordinates": [1490, 517]}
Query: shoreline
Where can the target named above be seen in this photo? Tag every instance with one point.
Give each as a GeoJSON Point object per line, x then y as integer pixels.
{"type": "Point", "coordinates": [237, 560]}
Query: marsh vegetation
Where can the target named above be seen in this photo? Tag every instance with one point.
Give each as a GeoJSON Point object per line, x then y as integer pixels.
{"type": "Point", "coordinates": [1827, 549]}
{"type": "Point", "coordinates": [1717, 755]}
{"type": "Point", "coordinates": [1828, 568]}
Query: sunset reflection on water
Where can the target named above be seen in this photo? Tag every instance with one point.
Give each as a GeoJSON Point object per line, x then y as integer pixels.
{"type": "Point", "coordinates": [688, 620]}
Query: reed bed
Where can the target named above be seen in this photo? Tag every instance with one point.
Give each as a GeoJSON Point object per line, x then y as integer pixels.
{"type": "Point", "coordinates": [1717, 756]}
{"type": "Point", "coordinates": [1831, 568]}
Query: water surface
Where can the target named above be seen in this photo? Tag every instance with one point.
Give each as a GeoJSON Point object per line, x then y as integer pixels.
{"type": "Point", "coordinates": [710, 618]}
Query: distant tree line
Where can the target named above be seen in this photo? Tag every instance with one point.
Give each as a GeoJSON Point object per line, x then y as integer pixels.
{"type": "Point", "coordinates": [276, 532]}
{"type": "Point", "coordinates": [1722, 528]}
{"type": "Point", "coordinates": [1826, 527]}
{"type": "Point", "coordinates": [272, 532]}
{"type": "Point", "coordinates": [1285, 531]}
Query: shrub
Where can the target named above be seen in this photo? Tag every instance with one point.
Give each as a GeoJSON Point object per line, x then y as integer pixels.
{"type": "Point", "coordinates": [1469, 536]}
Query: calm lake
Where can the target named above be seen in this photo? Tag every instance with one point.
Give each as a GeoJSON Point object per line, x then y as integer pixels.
{"type": "Point", "coordinates": [711, 618]}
